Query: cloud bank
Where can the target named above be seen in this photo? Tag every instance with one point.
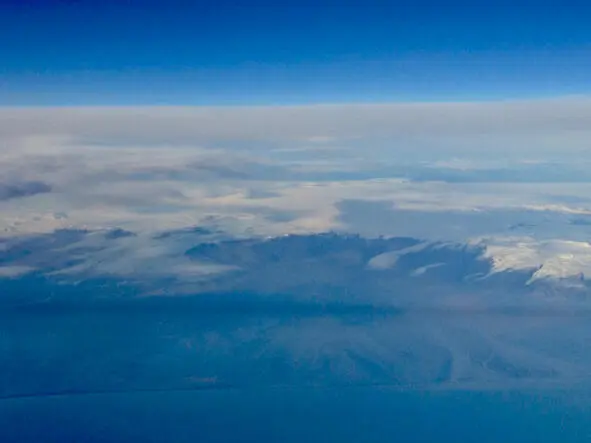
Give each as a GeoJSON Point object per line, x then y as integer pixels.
{"type": "Point", "coordinates": [317, 123]}
{"type": "Point", "coordinates": [437, 171]}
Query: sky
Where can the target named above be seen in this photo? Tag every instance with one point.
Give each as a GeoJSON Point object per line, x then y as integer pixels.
{"type": "Point", "coordinates": [224, 52]}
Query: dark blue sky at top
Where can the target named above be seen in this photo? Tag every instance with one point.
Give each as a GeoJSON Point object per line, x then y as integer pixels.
{"type": "Point", "coordinates": [224, 52]}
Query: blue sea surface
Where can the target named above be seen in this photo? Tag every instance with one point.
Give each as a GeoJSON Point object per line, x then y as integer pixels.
{"type": "Point", "coordinates": [300, 415]}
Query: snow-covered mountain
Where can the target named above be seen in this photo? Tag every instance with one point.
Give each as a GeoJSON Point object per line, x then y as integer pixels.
{"type": "Point", "coordinates": [326, 267]}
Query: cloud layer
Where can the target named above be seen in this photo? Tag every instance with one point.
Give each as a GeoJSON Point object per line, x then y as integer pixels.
{"type": "Point", "coordinates": [324, 123]}
{"type": "Point", "coordinates": [438, 171]}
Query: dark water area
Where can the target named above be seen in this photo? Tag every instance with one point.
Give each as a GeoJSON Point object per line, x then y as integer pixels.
{"type": "Point", "coordinates": [300, 415]}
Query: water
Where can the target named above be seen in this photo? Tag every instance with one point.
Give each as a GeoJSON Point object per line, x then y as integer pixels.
{"type": "Point", "coordinates": [300, 415]}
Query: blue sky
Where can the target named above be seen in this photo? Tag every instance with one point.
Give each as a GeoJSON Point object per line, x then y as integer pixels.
{"type": "Point", "coordinates": [254, 52]}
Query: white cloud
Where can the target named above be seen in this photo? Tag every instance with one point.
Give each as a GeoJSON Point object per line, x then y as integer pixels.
{"type": "Point", "coordinates": [137, 257]}
{"type": "Point", "coordinates": [14, 271]}
{"type": "Point", "coordinates": [321, 139]}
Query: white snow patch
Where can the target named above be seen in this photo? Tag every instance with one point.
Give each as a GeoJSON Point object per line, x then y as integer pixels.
{"type": "Point", "coordinates": [558, 259]}
{"type": "Point", "coordinates": [388, 260]}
